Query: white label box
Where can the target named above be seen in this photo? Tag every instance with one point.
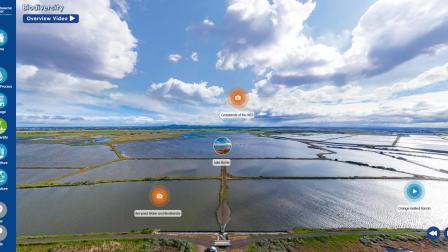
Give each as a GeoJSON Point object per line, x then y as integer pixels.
{"type": "Point", "coordinates": [237, 115]}
{"type": "Point", "coordinates": [222, 162]}
{"type": "Point", "coordinates": [158, 213]}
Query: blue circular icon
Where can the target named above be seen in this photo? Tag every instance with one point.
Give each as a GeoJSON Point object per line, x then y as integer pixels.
{"type": "Point", "coordinates": [3, 177]}
{"type": "Point", "coordinates": [414, 191]}
{"type": "Point", "coordinates": [3, 37]}
{"type": "Point", "coordinates": [446, 233]}
{"type": "Point", "coordinates": [3, 151]}
{"type": "Point", "coordinates": [3, 100]}
{"type": "Point", "coordinates": [3, 75]}
{"type": "Point", "coordinates": [433, 233]}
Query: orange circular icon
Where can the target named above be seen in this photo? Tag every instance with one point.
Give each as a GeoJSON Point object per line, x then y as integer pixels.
{"type": "Point", "coordinates": [159, 196]}
{"type": "Point", "coordinates": [237, 97]}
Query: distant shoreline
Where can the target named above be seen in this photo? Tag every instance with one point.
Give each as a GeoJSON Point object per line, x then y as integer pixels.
{"type": "Point", "coordinates": [298, 129]}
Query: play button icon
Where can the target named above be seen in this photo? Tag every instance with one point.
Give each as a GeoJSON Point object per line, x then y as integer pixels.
{"type": "Point", "coordinates": [414, 191]}
{"type": "Point", "coordinates": [51, 18]}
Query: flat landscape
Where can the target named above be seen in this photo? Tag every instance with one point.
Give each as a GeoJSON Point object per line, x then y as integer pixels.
{"type": "Point", "coordinates": [279, 179]}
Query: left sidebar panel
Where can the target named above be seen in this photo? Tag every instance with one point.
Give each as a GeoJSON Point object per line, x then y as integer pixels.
{"type": "Point", "coordinates": [7, 125]}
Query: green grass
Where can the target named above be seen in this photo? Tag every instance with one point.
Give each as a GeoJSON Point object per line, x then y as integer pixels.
{"type": "Point", "coordinates": [61, 236]}
{"type": "Point", "coordinates": [115, 132]}
{"type": "Point", "coordinates": [336, 242]}
{"type": "Point", "coordinates": [91, 132]}
{"type": "Point", "coordinates": [299, 230]}
{"type": "Point", "coordinates": [181, 246]}
{"type": "Point", "coordinates": [117, 136]}
{"type": "Point", "coordinates": [94, 182]}
{"type": "Point", "coordinates": [117, 245]}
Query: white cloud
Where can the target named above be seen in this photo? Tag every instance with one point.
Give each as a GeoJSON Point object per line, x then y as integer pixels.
{"type": "Point", "coordinates": [354, 103]}
{"type": "Point", "coordinates": [174, 57]}
{"type": "Point", "coordinates": [431, 76]}
{"type": "Point", "coordinates": [48, 91]}
{"type": "Point", "coordinates": [339, 40]}
{"type": "Point", "coordinates": [293, 104]}
{"type": "Point", "coordinates": [202, 29]}
{"type": "Point", "coordinates": [184, 92]}
{"type": "Point", "coordinates": [268, 37]}
{"type": "Point", "coordinates": [208, 22]}
{"type": "Point", "coordinates": [122, 7]}
{"type": "Point", "coordinates": [100, 45]}
{"type": "Point", "coordinates": [392, 32]}
{"type": "Point", "coordinates": [49, 81]}
{"type": "Point", "coordinates": [194, 56]}
{"type": "Point", "coordinates": [25, 72]}
{"type": "Point", "coordinates": [49, 97]}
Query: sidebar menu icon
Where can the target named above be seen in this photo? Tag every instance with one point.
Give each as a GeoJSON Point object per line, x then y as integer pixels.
{"type": "Point", "coordinates": [7, 125]}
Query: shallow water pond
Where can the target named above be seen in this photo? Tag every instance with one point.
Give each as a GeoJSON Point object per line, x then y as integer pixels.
{"type": "Point", "coordinates": [110, 208]}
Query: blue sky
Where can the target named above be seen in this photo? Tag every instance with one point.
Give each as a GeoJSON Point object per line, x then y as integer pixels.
{"type": "Point", "coordinates": [143, 63]}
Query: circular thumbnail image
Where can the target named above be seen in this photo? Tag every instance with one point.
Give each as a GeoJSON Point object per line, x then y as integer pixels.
{"type": "Point", "coordinates": [3, 126]}
{"type": "Point", "coordinates": [3, 232]}
{"type": "Point", "coordinates": [3, 100]}
{"type": "Point", "coordinates": [222, 145]}
{"type": "Point", "coordinates": [3, 75]}
{"type": "Point", "coordinates": [3, 151]}
{"type": "Point", "coordinates": [3, 210]}
{"type": "Point", "coordinates": [3, 177]}
{"type": "Point", "coordinates": [3, 37]}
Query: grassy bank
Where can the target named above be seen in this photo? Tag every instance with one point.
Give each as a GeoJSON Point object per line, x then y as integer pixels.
{"type": "Point", "coordinates": [70, 236]}
{"type": "Point", "coordinates": [300, 239]}
{"type": "Point", "coordinates": [117, 245]}
{"type": "Point", "coordinates": [95, 182]}
{"type": "Point", "coordinates": [87, 133]}
{"type": "Point", "coordinates": [348, 242]}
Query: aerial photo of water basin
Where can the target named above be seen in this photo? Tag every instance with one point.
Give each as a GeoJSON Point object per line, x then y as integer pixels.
{"type": "Point", "coordinates": [278, 179]}
{"type": "Point", "coordinates": [200, 145]}
{"type": "Point", "coordinates": [110, 208]}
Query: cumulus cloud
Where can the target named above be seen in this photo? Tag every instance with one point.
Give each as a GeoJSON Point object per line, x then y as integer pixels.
{"type": "Point", "coordinates": [101, 45]}
{"type": "Point", "coordinates": [392, 32]}
{"type": "Point", "coordinates": [49, 81]}
{"type": "Point", "coordinates": [49, 97]}
{"type": "Point", "coordinates": [184, 92]}
{"type": "Point", "coordinates": [174, 57]}
{"type": "Point", "coordinates": [268, 37]}
{"type": "Point", "coordinates": [47, 91]}
{"type": "Point", "coordinates": [194, 56]}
